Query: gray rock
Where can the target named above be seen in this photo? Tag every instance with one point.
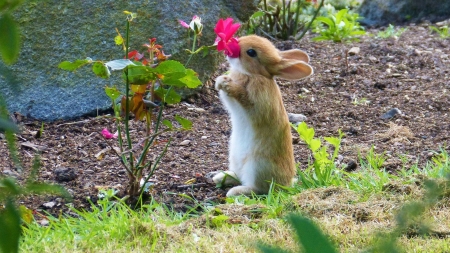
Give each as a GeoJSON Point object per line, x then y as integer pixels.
{"type": "Point", "coordinates": [57, 30]}
{"type": "Point", "coordinates": [63, 174]}
{"type": "Point", "coordinates": [391, 113]}
{"type": "Point", "coordinates": [384, 12]}
{"type": "Point", "coordinates": [296, 118]}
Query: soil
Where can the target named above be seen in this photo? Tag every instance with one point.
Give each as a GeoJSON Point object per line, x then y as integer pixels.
{"type": "Point", "coordinates": [348, 92]}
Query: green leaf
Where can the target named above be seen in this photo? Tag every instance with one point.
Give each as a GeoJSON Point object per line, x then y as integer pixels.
{"type": "Point", "coordinates": [112, 92]}
{"type": "Point", "coordinates": [168, 124]}
{"type": "Point", "coordinates": [174, 79]}
{"type": "Point", "coordinates": [310, 236]}
{"type": "Point", "coordinates": [191, 79]}
{"type": "Point", "coordinates": [336, 142]}
{"type": "Point", "coordinates": [101, 70]}
{"type": "Point", "coordinates": [118, 40]}
{"type": "Point", "coordinates": [306, 134]}
{"type": "Point", "coordinates": [169, 96]}
{"type": "Point", "coordinates": [257, 14]}
{"type": "Point", "coordinates": [9, 38]}
{"type": "Point", "coordinates": [72, 66]}
{"type": "Point", "coordinates": [327, 21]}
{"type": "Point", "coordinates": [140, 74]}
{"type": "Point", "coordinates": [168, 67]}
{"type": "Point", "coordinates": [314, 145]}
{"type": "Point", "coordinates": [340, 15]}
{"type": "Point", "coordinates": [185, 123]}
{"type": "Point", "coordinates": [10, 228]}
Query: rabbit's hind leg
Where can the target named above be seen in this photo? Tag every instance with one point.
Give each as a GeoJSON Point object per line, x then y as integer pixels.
{"type": "Point", "coordinates": [242, 190]}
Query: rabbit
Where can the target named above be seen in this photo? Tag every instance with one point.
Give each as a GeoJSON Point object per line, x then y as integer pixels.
{"type": "Point", "coordinates": [260, 146]}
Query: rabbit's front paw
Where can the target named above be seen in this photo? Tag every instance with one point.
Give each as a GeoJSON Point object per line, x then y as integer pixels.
{"type": "Point", "coordinates": [222, 82]}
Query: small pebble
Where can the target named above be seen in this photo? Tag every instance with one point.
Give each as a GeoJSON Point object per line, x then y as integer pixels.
{"type": "Point", "coordinates": [63, 174]}
{"type": "Point", "coordinates": [44, 223]}
{"type": "Point", "coordinates": [49, 205]}
{"type": "Point", "coordinates": [185, 143]}
{"type": "Point", "coordinates": [354, 51]}
{"type": "Point", "coordinates": [351, 166]}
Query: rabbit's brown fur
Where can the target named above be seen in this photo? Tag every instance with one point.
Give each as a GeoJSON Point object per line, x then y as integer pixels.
{"type": "Point", "coordinates": [261, 142]}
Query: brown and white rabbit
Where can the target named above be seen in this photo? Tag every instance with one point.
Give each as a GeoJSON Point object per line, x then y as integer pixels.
{"type": "Point", "coordinates": [260, 147]}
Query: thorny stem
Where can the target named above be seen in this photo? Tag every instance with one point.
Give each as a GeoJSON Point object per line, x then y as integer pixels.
{"type": "Point", "coordinates": [127, 104]}
{"type": "Point", "coordinates": [154, 167]}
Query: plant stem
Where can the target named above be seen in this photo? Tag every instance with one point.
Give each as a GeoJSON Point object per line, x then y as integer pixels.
{"type": "Point", "coordinates": [297, 12]}
{"type": "Point", "coordinates": [193, 49]}
{"type": "Point", "coordinates": [310, 23]}
{"type": "Point", "coordinates": [127, 103]}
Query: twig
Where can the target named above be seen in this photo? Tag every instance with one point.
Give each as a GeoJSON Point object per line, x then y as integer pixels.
{"type": "Point", "coordinates": [186, 186]}
{"type": "Point", "coordinates": [146, 138]}
{"type": "Point", "coordinates": [346, 61]}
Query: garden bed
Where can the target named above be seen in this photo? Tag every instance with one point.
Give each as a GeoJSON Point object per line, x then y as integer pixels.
{"type": "Point", "coordinates": [347, 92]}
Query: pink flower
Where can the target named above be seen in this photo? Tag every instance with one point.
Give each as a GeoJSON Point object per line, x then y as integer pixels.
{"type": "Point", "coordinates": [195, 25]}
{"type": "Point", "coordinates": [183, 24]}
{"type": "Point", "coordinates": [225, 30]}
{"type": "Point", "coordinates": [109, 135]}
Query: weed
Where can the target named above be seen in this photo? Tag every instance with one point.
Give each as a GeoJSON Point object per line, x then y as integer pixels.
{"type": "Point", "coordinates": [390, 31]}
{"type": "Point", "coordinates": [371, 177]}
{"type": "Point", "coordinates": [322, 172]}
{"type": "Point", "coordinates": [340, 27]}
{"type": "Point", "coordinates": [282, 20]}
{"type": "Point", "coordinates": [444, 31]}
{"type": "Point", "coordinates": [362, 101]}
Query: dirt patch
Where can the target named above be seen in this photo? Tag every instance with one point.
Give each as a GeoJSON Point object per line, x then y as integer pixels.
{"type": "Point", "coordinates": [348, 92]}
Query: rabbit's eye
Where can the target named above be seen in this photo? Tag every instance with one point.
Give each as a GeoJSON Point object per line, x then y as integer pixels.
{"type": "Point", "coordinates": [251, 53]}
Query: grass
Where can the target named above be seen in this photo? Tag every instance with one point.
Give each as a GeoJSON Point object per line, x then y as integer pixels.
{"type": "Point", "coordinates": [355, 215]}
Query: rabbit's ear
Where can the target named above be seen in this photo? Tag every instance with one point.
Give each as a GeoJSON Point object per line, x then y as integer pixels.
{"type": "Point", "coordinates": [294, 69]}
{"type": "Point", "coordinates": [295, 54]}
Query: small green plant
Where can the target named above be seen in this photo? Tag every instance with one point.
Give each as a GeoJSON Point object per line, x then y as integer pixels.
{"type": "Point", "coordinates": [323, 171]}
{"type": "Point", "coordinates": [362, 101]}
{"type": "Point", "coordinates": [372, 176]}
{"type": "Point", "coordinates": [339, 27]}
{"type": "Point", "coordinates": [444, 31]}
{"type": "Point", "coordinates": [390, 31]}
{"type": "Point", "coordinates": [149, 85]}
{"type": "Point", "coordinates": [282, 20]}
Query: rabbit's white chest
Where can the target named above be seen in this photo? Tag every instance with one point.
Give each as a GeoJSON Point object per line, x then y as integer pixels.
{"type": "Point", "coordinates": [242, 139]}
